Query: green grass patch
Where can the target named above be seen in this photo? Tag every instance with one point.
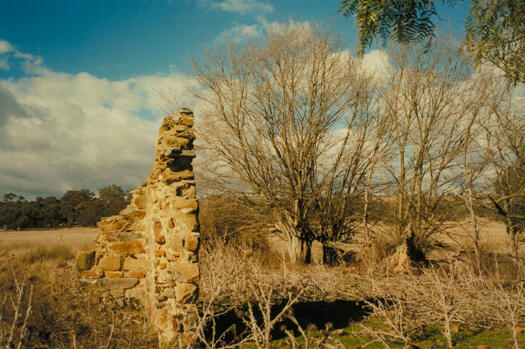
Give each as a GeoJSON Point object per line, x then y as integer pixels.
{"type": "Point", "coordinates": [430, 339]}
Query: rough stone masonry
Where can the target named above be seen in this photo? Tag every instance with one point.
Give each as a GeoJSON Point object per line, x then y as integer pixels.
{"type": "Point", "coordinates": [149, 251]}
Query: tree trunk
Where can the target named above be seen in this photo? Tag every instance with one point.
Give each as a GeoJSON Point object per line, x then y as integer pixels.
{"type": "Point", "coordinates": [514, 243]}
{"type": "Point", "coordinates": [294, 248]}
{"type": "Point", "coordinates": [330, 255]}
{"type": "Point", "coordinates": [306, 252]}
{"type": "Point", "coordinates": [299, 251]}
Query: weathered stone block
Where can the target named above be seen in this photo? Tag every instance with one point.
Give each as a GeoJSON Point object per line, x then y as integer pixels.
{"type": "Point", "coordinates": [136, 263]}
{"type": "Point", "coordinates": [111, 224]}
{"type": "Point", "coordinates": [157, 232]}
{"type": "Point", "coordinates": [174, 254]}
{"type": "Point", "coordinates": [189, 270]}
{"type": "Point", "coordinates": [135, 274]}
{"type": "Point", "coordinates": [169, 292]}
{"type": "Point", "coordinates": [188, 205]}
{"type": "Point", "coordinates": [139, 199]}
{"type": "Point", "coordinates": [85, 260]}
{"type": "Point", "coordinates": [191, 242]}
{"type": "Point", "coordinates": [120, 283]}
{"type": "Point", "coordinates": [117, 293]}
{"type": "Point", "coordinates": [126, 248]}
{"type": "Point", "coordinates": [157, 228]}
{"type": "Point", "coordinates": [189, 191]}
{"type": "Point", "coordinates": [185, 222]}
{"type": "Point", "coordinates": [91, 274]}
{"type": "Point", "coordinates": [137, 293]}
{"type": "Point", "coordinates": [113, 274]}
{"type": "Point", "coordinates": [160, 239]}
{"type": "Point", "coordinates": [164, 277]}
{"type": "Point", "coordinates": [175, 240]}
{"type": "Point", "coordinates": [185, 293]}
{"type": "Point", "coordinates": [170, 176]}
{"type": "Point", "coordinates": [187, 120]}
{"type": "Point", "coordinates": [109, 263]}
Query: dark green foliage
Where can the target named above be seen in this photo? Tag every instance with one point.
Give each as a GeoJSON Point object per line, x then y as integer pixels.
{"type": "Point", "coordinates": [113, 199]}
{"type": "Point", "coordinates": [494, 29]}
{"type": "Point", "coordinates": [89, 212]}
{"type": "Point", "coordinates": [495, 33]}
{"type": "Point", "coordinates": [403, 21]}
{"type": "Point", "coordinates": [76, 207]}
{"type": "Point", "coordinates": [70, 204]}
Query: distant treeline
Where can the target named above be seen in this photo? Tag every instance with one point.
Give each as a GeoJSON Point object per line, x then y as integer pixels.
{"type": "Point", "coordinates": [77, 207]}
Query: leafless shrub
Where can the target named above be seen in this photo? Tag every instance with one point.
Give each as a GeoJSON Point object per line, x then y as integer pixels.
{"type": "Point", "coordinates": [64, 314]}
{"type": "Point", "coordinates": [225, 269]}
{"type": "Point", "coordinates": [389, 301]}
{"type": "Point", "coordinates": [260, 317]}
{"type": "Point", "coordinates": [261, 296]}
{"type": "Point", "coordinates": [449, 296]}
{"type": "Point", "coordinates": [13, 335]}
{"type": "Point", "coordinates": [327, 339]}
{"type": "Point", "coordinates": [503, 302]}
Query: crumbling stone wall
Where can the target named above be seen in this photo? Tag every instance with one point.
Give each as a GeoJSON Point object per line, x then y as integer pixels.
{"type": "Point", "coordinates": [149, 251]}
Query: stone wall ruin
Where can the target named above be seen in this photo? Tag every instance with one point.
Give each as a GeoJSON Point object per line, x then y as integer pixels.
{"type": "Point", "coordinates": [149, 251]}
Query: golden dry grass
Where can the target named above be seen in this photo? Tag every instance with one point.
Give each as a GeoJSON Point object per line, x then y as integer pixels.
{"type": "Point", "coordinates": [15, 243]}
{"type": "Point", "coordinates": [493, 237]}
{"type": "Point", "coordinates": [39, 266]}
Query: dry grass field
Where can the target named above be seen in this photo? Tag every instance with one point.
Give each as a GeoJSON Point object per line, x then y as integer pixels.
{"type": "Point", "coordinates": [258, 300]}
{"type": "Point", "coordinates": [492, 236]}
{"type": "Point", "coordinates": [75, 239]}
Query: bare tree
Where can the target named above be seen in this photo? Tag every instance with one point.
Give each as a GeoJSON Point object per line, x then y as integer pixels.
{"type": "Point", "coordinates": [426, 102]}
{"type": "Point", "coordinates": [284, 123]}
{"type": "Point", "coordinates": [473, 162]}
{"type": "Point", "coordinates": [504, 147]}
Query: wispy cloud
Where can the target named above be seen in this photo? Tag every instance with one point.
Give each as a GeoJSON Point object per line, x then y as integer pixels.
{"type": "Point", "coordinates": [30, 63]}
{"type": "Point", "coordinates": [240, 33]}
{"type": "Point", "coordinates": [4, 64]}
{"type": "Point", "coordinates": [240, 6]}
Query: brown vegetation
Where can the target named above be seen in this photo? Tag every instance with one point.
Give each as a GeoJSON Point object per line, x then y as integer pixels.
{"type": "Point", "coordinates": [252, 297]}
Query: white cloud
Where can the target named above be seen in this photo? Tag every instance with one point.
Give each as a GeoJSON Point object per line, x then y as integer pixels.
{"type": "Point", "coordinates": [60, 131]}
{"type": "Point", "coordinates": [281, 27]}
{"type": "Point", "coordinates": [5, 47]}
{"type": "Point", "coordinates": [243, 6]}
{"type": "Point", "coordinates": [376, 64]}
{"type": "Point", "coordinates": [240, 33]}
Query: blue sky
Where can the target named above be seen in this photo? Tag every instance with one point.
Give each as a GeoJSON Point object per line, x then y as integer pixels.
{"type": "Point", "coordinates": [80, 81]}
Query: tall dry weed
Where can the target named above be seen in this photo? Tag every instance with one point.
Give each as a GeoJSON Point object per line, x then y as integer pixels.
{"type": "Point", "coordinates": [63, 313]}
